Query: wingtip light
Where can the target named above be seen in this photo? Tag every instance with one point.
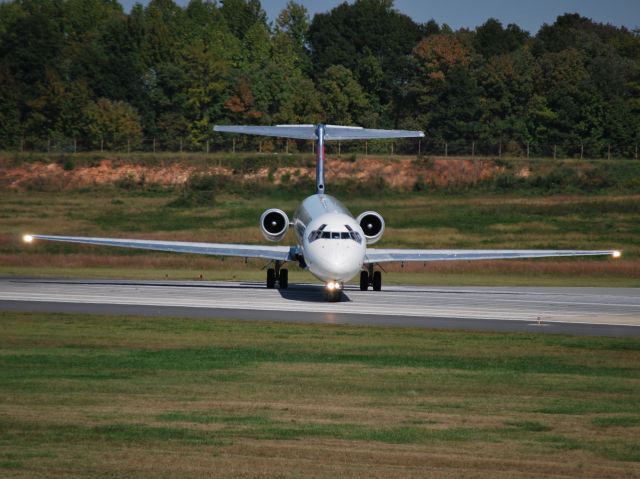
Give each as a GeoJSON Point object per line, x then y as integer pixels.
{"type": "Point", "coordinates": [616, 254]}
{"type": "Point", "coordinates": [27, 239]}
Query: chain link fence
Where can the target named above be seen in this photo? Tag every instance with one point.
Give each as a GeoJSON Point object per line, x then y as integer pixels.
{"type": "Point", "coordinates": [417, 147]}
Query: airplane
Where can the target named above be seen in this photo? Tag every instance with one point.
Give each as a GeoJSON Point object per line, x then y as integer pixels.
{"type": "Point", "coordinates": [332, 244]}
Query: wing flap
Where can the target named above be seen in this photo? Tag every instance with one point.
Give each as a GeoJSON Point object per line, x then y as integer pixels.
{"type": "Point", "coordinates": [374, 255]}
{"type": "Point", "coordinates": [282, 253]}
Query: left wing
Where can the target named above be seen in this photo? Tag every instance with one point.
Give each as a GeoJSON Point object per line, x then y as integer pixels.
{"type": "Point", "coordinates": [374, 255]}
{"type": "Point", "coordinates": [281, 253]}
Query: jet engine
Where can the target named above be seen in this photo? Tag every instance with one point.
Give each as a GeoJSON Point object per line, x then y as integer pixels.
{"type": "Point", "coordinates": [274, 224]}
{"type": "Point", "coordinates": [372, 225]}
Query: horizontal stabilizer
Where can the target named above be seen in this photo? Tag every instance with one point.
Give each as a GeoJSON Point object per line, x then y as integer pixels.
{"type": "Point", "coordinates": [302, 132]}
{"type": "Point", "coordinates": [308, 132]}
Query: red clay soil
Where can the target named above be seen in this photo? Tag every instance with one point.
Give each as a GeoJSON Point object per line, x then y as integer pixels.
{"type": "Point", "coordinates": [401, 174]}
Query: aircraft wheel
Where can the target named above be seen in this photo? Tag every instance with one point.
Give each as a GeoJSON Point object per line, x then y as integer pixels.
{"type": "Point", "coordinates": [364, 280]}
{"type": "Point", "coordinates": [284, 278]}
{"type": "Point", "coordinates": [377, 281]}
{"type": "Point", "coordinates": [271, 278]}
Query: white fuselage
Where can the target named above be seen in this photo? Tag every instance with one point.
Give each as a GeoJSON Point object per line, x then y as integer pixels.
{"type": "Point", "coordinates": [332, 241]}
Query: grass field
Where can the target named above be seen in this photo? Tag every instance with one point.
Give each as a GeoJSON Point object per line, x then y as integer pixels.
{"type": "Point", "coordinates": [99, 396]}
{"type": "Point", "coordinates": [413, 220]}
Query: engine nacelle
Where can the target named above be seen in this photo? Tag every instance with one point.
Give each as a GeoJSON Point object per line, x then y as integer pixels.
{"type": "Point", "coordinates": [274, 224]}
{"type": "Point", "coordinates": [372, 225]}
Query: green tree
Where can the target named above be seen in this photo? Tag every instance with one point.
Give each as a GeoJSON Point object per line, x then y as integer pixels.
{"type": "Point", "coordinates": [365, 28]}
{"type": "Point", "coordinates": [241, 15]}
{"type": "Point", "coordinates": [491, 39]}
{"type": "Point", "coordinates": [115, 123]}
{"type": "Point", "coordinates": [58, 110]}
{"type": "Point", "coordinates": [343, 100]}
{"type": "Point", "coordinates": [10, 127]}
{"type": "Point", "coordinates": [205, 84]}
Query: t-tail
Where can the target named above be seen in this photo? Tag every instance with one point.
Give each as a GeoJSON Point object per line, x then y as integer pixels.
{"type": "Point", "coordinates": [320, 134]}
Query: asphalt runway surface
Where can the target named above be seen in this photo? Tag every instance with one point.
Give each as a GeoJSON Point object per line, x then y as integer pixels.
{"type": "Point", "coordinates": [579, 311]}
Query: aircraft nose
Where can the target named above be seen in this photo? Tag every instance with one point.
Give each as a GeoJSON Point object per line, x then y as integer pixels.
{"type": "Point", "coordinates": [335, 261]}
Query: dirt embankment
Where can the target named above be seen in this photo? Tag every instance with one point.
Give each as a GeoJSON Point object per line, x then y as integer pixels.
{"type": "Point", "coordinates": [401, 174]}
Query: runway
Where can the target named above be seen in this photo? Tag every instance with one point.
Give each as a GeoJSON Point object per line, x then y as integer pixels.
{"type": "Point", "coordinates": [580, 311]}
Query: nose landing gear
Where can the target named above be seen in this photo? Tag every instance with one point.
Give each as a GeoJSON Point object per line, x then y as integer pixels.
{"type": "Point", "coordinates": [281, 275]}
{"type": "Point", "coordinates": [333, 291]}
{"type": "Point", "coordinates": [370, 278]}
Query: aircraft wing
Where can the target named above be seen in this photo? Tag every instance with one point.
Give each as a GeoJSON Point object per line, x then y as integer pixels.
{"type": "Point", "coordinates": [308, 132]}
{"type": "Point", "coordinates": [281, 253]}
{"type": "Point", "coordinates": [374, 255]}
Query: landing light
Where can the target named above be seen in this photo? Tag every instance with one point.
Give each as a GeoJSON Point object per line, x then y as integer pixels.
{"type": "Point", "coordinates": [616, 254]}
{"type": "Point", "coordinates": [27, 239]}
{"type": "Point", "coordinates": [331, 285]}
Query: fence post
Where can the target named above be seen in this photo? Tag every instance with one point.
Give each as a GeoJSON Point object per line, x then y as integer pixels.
{"type": "Point", "coordinates": [207, 146]}
{"type": "Point", "coordinates": [180, 145]}
{"type": "Point", "coordinates": [101, 145]}
{"type": "Point", "coordinates": [48, 145]}
{"type": "Point", "coordinates": [392, 148]}
{"type": "Point", "coordinates": [366, 148]}
{"type": "Point", "coordinates": [260, 146]}
{"type": "Point", "coordinates": [419, 147]}
{"type": "Point", "coordinates": [128, 145]}
{"type": "Point", "coordinates": [21, 145]}
{"type": "Point", "coordinates": [75, 145]}
{"type": "Point", "coordinates": [154, 145]}
{"type": "Point", "coordinates": [500, 149]}
{"type": "Point", "coordinates": [339, 148]}
{"type": "Point", "coordinates": [527, 150]}
{"type": "Point", "coordinates": [473, 149]}
{"type": "Point", "coordinates": [581, 150]}
{"type": "Point", "coordinates": [554, 151]}
{"type": "Point", "coordinates": [313, 147]}
{"type": "Point", "coordinates": [233, 147]}
{"type": "Point", "coordinates": [609, 152]}
{"type": "Point", "coordinates": [636, 151]}
{"type": "Point", "coordinates": [446, 148]}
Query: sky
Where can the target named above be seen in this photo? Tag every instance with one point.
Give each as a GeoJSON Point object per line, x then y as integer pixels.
{"type": "Point", "coordinates": [528, 14]}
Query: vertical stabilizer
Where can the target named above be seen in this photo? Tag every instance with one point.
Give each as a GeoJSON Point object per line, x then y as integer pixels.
{"type": "Point", "coordinates": [320, 159]}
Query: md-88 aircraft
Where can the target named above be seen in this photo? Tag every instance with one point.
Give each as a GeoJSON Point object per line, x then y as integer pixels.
{"type": "Point", "coordinates": [331, 244]}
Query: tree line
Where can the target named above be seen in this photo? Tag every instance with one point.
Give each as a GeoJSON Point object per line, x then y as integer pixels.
{"type": "Point", "coordinates": [87, 69]}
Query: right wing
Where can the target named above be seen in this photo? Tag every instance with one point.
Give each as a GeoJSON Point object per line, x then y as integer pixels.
{"type": "Point", "coordinates": [385, 255]}
{"type": "Point", "coordinates": [280, 253]}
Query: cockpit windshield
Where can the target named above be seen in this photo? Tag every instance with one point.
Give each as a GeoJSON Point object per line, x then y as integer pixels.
{"type": "Point", "coordinates": [345, 235]}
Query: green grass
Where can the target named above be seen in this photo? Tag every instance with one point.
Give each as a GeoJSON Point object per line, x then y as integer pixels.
{"type": "Point", "coordinates": [617, 421]}
{"type": "Point", "coordinates": [226, 393]}
{"type": "Point", "coordinates": [463, 216]}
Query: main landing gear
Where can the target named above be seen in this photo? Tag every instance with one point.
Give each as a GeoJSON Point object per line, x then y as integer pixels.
{"type": "Point", "coordinates": [370, 278]}
{"type": "Point", "coordinates": [281, 275]}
